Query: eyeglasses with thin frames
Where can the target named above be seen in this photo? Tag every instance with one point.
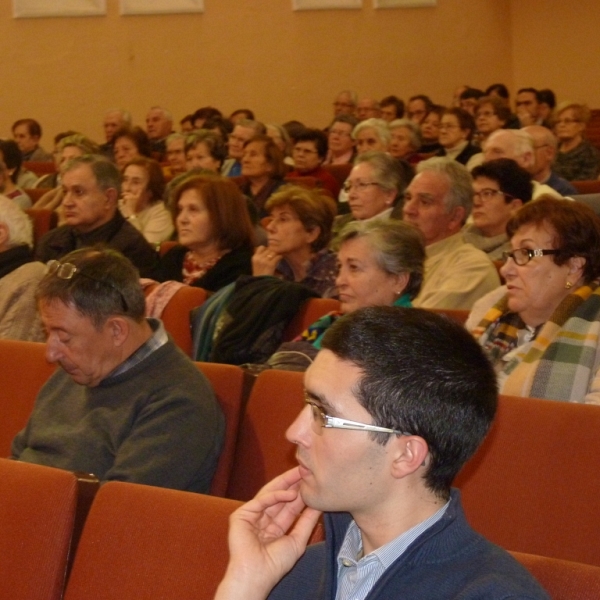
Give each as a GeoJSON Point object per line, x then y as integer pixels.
{"type": "Point", "coordinates": [359, 185]}
{"type": "Point", "coordinates": [68, 270]}
{"type": "Point", "coordinates": [321, 420]}
{"type": "Point", "coordinates": [488, 193]}
{"type": "Point", "coordinates": [522, 256]}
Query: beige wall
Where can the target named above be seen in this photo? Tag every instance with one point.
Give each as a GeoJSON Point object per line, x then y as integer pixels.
{"type": "Point", "coordinates": [283, 64]}
{"type": "Point", "coordinates": [556, 44]}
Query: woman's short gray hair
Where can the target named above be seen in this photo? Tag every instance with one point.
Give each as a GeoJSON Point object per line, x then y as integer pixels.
{"type": "Point", "coordinates": [378, 125]}
{"type": "Point", "coordinates": [414, 131]}
{"type": "Point", "coordinates": [18, 223]}
{"type": "Point", "coordinates": [387, 171]}
{"type": "Point", "coordinates": [399, 247]}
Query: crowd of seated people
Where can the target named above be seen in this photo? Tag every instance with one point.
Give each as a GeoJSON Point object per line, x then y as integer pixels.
{"type": "Point", "coordinates": [251, 225]}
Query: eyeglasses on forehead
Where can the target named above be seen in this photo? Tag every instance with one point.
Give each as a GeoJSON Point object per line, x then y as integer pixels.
{"type": "Point", "coordinates": [68, 270]}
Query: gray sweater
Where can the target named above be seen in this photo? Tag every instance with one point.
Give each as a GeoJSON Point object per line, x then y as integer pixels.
{"type": "Point", "coordinates": [158, 424]}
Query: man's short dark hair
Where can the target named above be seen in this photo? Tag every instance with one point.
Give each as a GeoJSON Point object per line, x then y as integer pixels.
{"type": "Point", "coordinates": [316, 136]}
{"type": "Point", "coordinates": [471, 93]}
{"type": "Point", "coordinates": [425, 99]}
{"type": "Point", "coordinates": [499, 88]}
{"type": "Point", "coordinates": [33, 127]}
{"type": "Point", "coordinates": [424, 374]}
{"type": "Point", "coordinates": [547, 96]}
{"type": "Point", "coordinates": [512, 179]}
{"type": "Point", "coordinates": [394, 101]}
{"type": "Point", "coordinates": [105, 284]}
{"type": "Point", "coordinates": [529, 90]}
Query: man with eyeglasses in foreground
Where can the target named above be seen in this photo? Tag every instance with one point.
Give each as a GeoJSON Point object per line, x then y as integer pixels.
{"type": "Point", "coordinates": [397, 401]}
{"type": "Point", "coordinates": [126, 404]}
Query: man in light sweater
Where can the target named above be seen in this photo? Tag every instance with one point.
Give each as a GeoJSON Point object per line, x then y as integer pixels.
{"type": "Point", "coordinates": [438, 201]}
{"type": "Point", "coordinates": [125, 403]}
{"type": "Point", "coordinates": [396, 401]}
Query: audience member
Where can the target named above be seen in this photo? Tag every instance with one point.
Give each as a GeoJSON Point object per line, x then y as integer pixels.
{"type": "Point", "coordinates": [27, 133]}
{"type": "Point", "coordinates": [528, 107]}
{"type": "Point", "coordinates": [204, 114]}
{"type": "Point", "coordinates": [418, 107]}
{"type": "Point", "coordinates": [391, 108]}
{"type": "Point", "coordinates": [438, 201]}
{"type": "Point", "coordinates": [394, 527]}
{"type": "Point", "coordinates": [340, 141]}
{"type": "Point", "coordinates": [10, 190]}
{"type": "Point", "coordinates": [577, 158]}
{"type": "Point", "coordinates": [114, 119]}
{"type": "Point", "coordinates": [405, 140]}
{"type": "Point", "coordinates": [205, 150]}
{"type": "Point", "coordinates": [430, 131]}
{"type": "Point", "coordinates": [367, 108]}
{"type": "Point", "coordinates": [19, 276]}
{"type": "Point", "coordinates": [345, 103]}
{"type": "Point", "coordinates": [380, 264]}
{"type": "Point", "coordinates": [141, 201]}
{"type": "Point", "coordinates": [159, 124]}
{"type": "Point", "coordinates": [282, 140]}
{"type": "Point", "coordinates": [50, 180]}
{"type": "Point", "coordinates": [243, 131]}
{"type": "Point", "coordinates": [491, 114]}
{"type": "Point", "coordinates": [69, 147]}
{"type": "Point", "coordinates": [186, 125]}
{"type": "Point", "coordinates": [541, 330]}
{"type": "Point", "coordinates": [11, 155]}
{"type": "Point", "coordinates": [545, 146]}
{"type": "Point", "coordinates": [456, 131]}
{"type": "Point", "coordinates": [92, 186]}
{"type": "Point", "coordinates": [500, 188]}
{"type": "Point", "coordinates": [547, 104]}
{"type": "Point", "coordinates": [372, 135]}
{"type": "Point", "coordinates": [517, 145]}
{"type": "Point", "coordinates": [309, 152]}
{"type": "Point", "coordinates": [456, 95]}
{"type": "Point", "coordinates": [241, 114]}
{"type": "Point", "coordinates": [130, 143]}
{"type": "Point", "coordinates": [125, 404]}
{"type": "Point", "coordinates": [375, 183]}
{"type": "Point", "coordinates": [469, 99]}
{"type": "Point", "coordinates": [263, 170]}
{"type": "Point", "coordinates": [175, 155]}
{"type": "Point", "coordinates": [298, 234]}
{"type": "Point", "coordinates": [214, 232]}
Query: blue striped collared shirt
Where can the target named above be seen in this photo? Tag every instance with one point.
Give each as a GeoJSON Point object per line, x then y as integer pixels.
{"type": "Point", "coordinates": [357, 576]}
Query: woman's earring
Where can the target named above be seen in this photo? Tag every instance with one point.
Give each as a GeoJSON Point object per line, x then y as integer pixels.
{"type": "Point", "coordinates": [568, 285]}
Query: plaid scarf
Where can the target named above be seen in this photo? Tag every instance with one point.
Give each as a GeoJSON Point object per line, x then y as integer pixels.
{"type": "Point", "coordinates": [560, 364]}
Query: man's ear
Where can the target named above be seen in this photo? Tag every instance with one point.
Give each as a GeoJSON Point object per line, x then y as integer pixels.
{"type": "Point", "coordinates": [118, 328]}
{"type": "Point", "coordinates": [410, 453]}
{"type": "Point", "coordinates": [112, 196]}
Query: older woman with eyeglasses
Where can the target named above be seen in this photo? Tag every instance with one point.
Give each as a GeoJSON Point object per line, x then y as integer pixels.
{"type": "Point", "coordinates": [576, 159]}
{"type": "Point", "coordinates": [375, 183]}
{"type": "Point", "coordinates": [541, 331]}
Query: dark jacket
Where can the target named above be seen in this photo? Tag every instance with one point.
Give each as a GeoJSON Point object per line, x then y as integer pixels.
{"type": "Point", "coordinates": [449, 560]}
{"type": "Point", "coordinates": [118, 234]}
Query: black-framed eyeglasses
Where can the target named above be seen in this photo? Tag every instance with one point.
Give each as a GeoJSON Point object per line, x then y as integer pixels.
{"type": "Point", "coordinates": [67, 271]}
{"type": "Point", "coordinates": [522, 256]}
{"type": "Point", "coordinates": [321, 420]}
